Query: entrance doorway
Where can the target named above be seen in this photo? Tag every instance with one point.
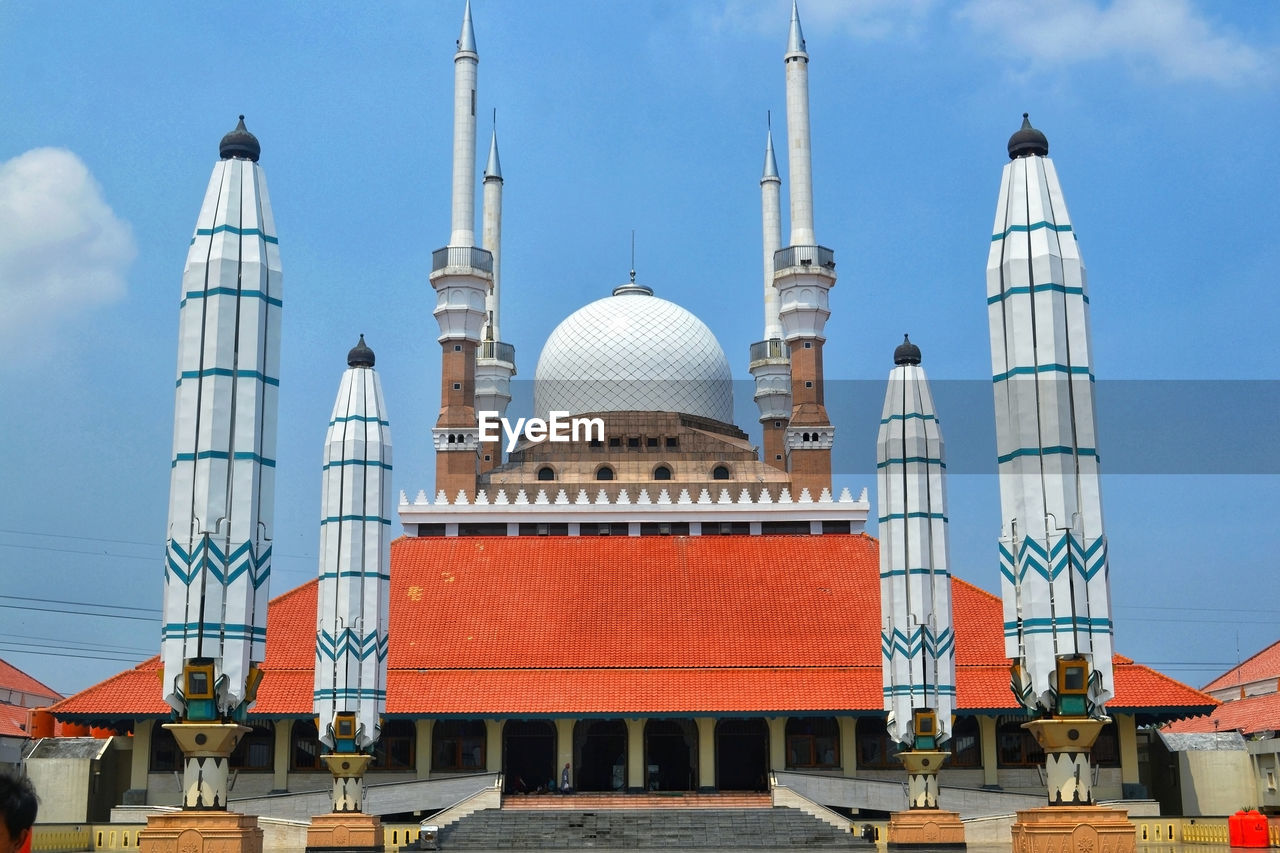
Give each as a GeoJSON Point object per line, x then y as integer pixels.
{"type": "Point", "coordinates": [671, 755]}
{"type": "Point", "coordinates": [528, 755]}
{"type": "Point", "coordinates": [600, 747]}
{"type": "Point", "coordinates": [742, 755]}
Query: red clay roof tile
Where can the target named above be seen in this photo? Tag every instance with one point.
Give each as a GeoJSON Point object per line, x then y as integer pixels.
{"type": "Point", "coordinates": [569, 625]}
{"type": "Point", "coordinates": [12, 678]}
{"type": "Point", "coordinates": [1264, 665]}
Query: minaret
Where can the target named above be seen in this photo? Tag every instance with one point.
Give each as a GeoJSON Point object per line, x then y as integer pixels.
{"type": "Point", "coordinates": [355, 585]}
{"type": "Point", "coordinates": [770, 361]}
{"type": "Point", "coordinates": [803, 273]}
{"type": "Point", "coordinates": [496, 363]}
{"type": "Point", "coordinates": [462, 276]}
{"type": "Point", "coordinates": [1053, 553]}
{"type": "Point", "coordinates": [221, 484]}
{"type": "Point", "coordinates": [917, 643]}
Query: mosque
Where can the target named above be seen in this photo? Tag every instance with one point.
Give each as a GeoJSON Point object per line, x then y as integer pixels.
{"type": "Point", "coordinates": [659, 604]}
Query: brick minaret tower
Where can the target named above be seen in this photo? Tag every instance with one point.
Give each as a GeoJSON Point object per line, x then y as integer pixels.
{"type": "Point", "coordinates": [462, 276]}
{"type": "Point", "coordinates": [770, 363]}
{"type": "Point", "coordinates": [803, 273]}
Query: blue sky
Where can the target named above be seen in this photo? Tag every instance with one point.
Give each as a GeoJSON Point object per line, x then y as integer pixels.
{"type": "Point", "coordinates": [650, 116]}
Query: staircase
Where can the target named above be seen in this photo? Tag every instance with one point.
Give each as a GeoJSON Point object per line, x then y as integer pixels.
{"type": "Point", "coordinates": [641, 821]}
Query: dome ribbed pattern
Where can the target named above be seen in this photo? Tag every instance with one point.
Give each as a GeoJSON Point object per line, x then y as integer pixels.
{"type": "Point", "coordinates": [633, 352]}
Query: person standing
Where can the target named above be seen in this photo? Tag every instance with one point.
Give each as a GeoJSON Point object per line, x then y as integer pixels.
{"type": "Point", "coordinates": [564, 783]}
{"type": "Point", "coordinates": [18, 806]}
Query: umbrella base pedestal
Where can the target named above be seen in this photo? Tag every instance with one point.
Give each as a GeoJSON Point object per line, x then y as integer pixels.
{"type": "Point", "coordinates": [926, 829]}
{"type": "Point", "coordinates": [1051, 829]}
{"type": "Point", "coordinates": [345, 832]}
{"type": "Point", "coordinates": [201, 831]}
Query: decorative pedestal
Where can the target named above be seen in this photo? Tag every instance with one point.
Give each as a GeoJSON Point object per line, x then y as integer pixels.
{"type": "Point", "coordinates": [192, 831]}
{"type": "Point", "coordinates": [204, 825]}
{"type": "Point", "coordinates": [1071, 822]}
{"type": "Point", "coordinates": [924, 825]}
{"type": "Point", "coordinates": [930, 829]}
{"type": "Point", "coordinates": [1076, 829]}
{"type": "Point", "coordinates": [345, 833]}
{"type": "Point", "coordinates": [346, 829]}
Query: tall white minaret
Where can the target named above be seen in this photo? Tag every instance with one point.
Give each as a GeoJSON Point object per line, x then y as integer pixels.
{"type": "Point", "coordinates": [1053, 551]}
{"type": "Point", "coordinates": [803, 273]}
{"type": "Point", "coordinates": [353, 593]}
{"type": "Point", "coordinates": [465, 67]}
{"type": "Point", "coordinates": [222, 481]}
{"type": "Point", "coordinates": [917, 641]}
{"type": "Point", "coordinates": [462, 276]}
{"type": "Point", "coordinates": [496, 361]}
{"type": "Point", "coordinates": [770, 363]}
{"type": "Point", "coordinates": [491, 214]}
{"type": "Point", "coordinates": [799, 156]}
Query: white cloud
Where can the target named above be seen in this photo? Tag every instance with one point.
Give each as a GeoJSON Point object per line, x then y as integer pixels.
{"type": "Point", "coordinates": [1169, 37]}
{"type": "Point", "coordinates": [63, 251]}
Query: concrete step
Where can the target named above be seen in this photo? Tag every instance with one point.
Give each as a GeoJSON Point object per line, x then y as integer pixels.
{"type": "Point", "coordinates": [632, 802]}
{"type": "Point", "coordinates": [705, 828]}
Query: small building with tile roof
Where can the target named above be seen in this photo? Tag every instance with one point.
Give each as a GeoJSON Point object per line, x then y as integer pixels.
{"type": "Point", "coordinates": [19, 693]}
{"type": "Point", "coordinates": [1230, 756]}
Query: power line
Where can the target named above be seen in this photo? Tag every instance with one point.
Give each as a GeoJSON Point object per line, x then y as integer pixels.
{"type": "Point", "coordinates": [159, 545]}
{"type": "Point", "coordinates": [80, 603]}
{"type": "Point", "coordinates": [61, 654]}
{"type": "Point", "coordinates": [26, 608]}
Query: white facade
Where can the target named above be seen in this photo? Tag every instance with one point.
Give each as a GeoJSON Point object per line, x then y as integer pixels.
{"type": "Point", "coordinates": [221, 493]}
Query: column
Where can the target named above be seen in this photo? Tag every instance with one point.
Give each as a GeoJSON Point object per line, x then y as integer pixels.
{"type": "Point", "coordinates": [987, 740]}
{"type": "Point", "coordinates": [422, 747]}
{"type": "Point", "coordinates": [283, 744]}
{"type": "Point", "coordinates": [564, 749]}
{"type": "Point", "coordinates": [706, 754]}
{"type": "Point", "coordinates": [635, 754]}
{"type": "Point", "coordinates": [493, 746]}
{"type": "Point", "coordinates": [777, 743]}
{"type": "Point", "coordinates": [848, 745]}
{"type": "Point", "coordinates": [1127, 735]}
{"type": "Point", "coordinates": [140, 762]}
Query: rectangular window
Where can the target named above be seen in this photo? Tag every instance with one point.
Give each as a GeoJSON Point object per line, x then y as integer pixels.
{"type": "Point", "coordinates": [651, 442]}
{"type": "Point", "coordinates": [634, 441]}
{"type": "Point", "coordinates": [615, 442]}
{"type": "Point", "coordinates": [672, 441]}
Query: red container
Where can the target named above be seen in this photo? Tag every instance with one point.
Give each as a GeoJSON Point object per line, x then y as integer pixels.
{"type": "Point", "coordinates": [1248, 829]}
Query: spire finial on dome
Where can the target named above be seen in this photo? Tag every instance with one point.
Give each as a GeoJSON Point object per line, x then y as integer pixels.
{"type": "Point", "coordinates": [1027, 141]}
{"type": "Point", "coordinates": [907, 352]}
{"type": "Point", "coordinates": [467, 38]}
{"type": "Point", "coordinates": [360, 355]}
{"type": "Point", "coordinates": [239, 144]}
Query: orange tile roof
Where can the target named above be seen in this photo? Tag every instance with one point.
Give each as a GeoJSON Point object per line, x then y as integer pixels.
{"type": "Point", "coordinates": [595, 625]}
{"type": "Point", "coordinates": [1264, 665]}
{"type": "Point", "coordinates": [13, 721]}
{"type": "Point", "coordinates": [1249, 715]}
{"type": "Point", "coordinates": [12, 678]}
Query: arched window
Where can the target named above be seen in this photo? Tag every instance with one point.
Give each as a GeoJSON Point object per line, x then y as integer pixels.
{"type": "Point", "coordinates": [458, 745]}
{"type": "Point", "coordinates": [604, 472]}
{"type": "Point", "coordinates": [305, 749]}
{"type": "Point", "coordinates": [256, 750]}
{"type": "Point", "coordinates": [451, 440]}
{"type": "Point", "coordinates": [966, 743]}
{"type": "Point", "coordinates": [720, 472]}
{"type": "Point", "coordinates": [394, 749]}
{"type": "Point", "coordinates": [546, 472]}
{"type": "Point", "coordinates": [662, 472]}
{"type": "Point", "coordinates": [813, 742]}
{"type": "Point", "coordinates": [875, 748]}
{"type": "Point", "coordinates": [1015, 746]}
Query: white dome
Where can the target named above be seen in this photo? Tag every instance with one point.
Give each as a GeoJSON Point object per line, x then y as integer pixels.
{"type": "Point", "coordinates": [633, 352]}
